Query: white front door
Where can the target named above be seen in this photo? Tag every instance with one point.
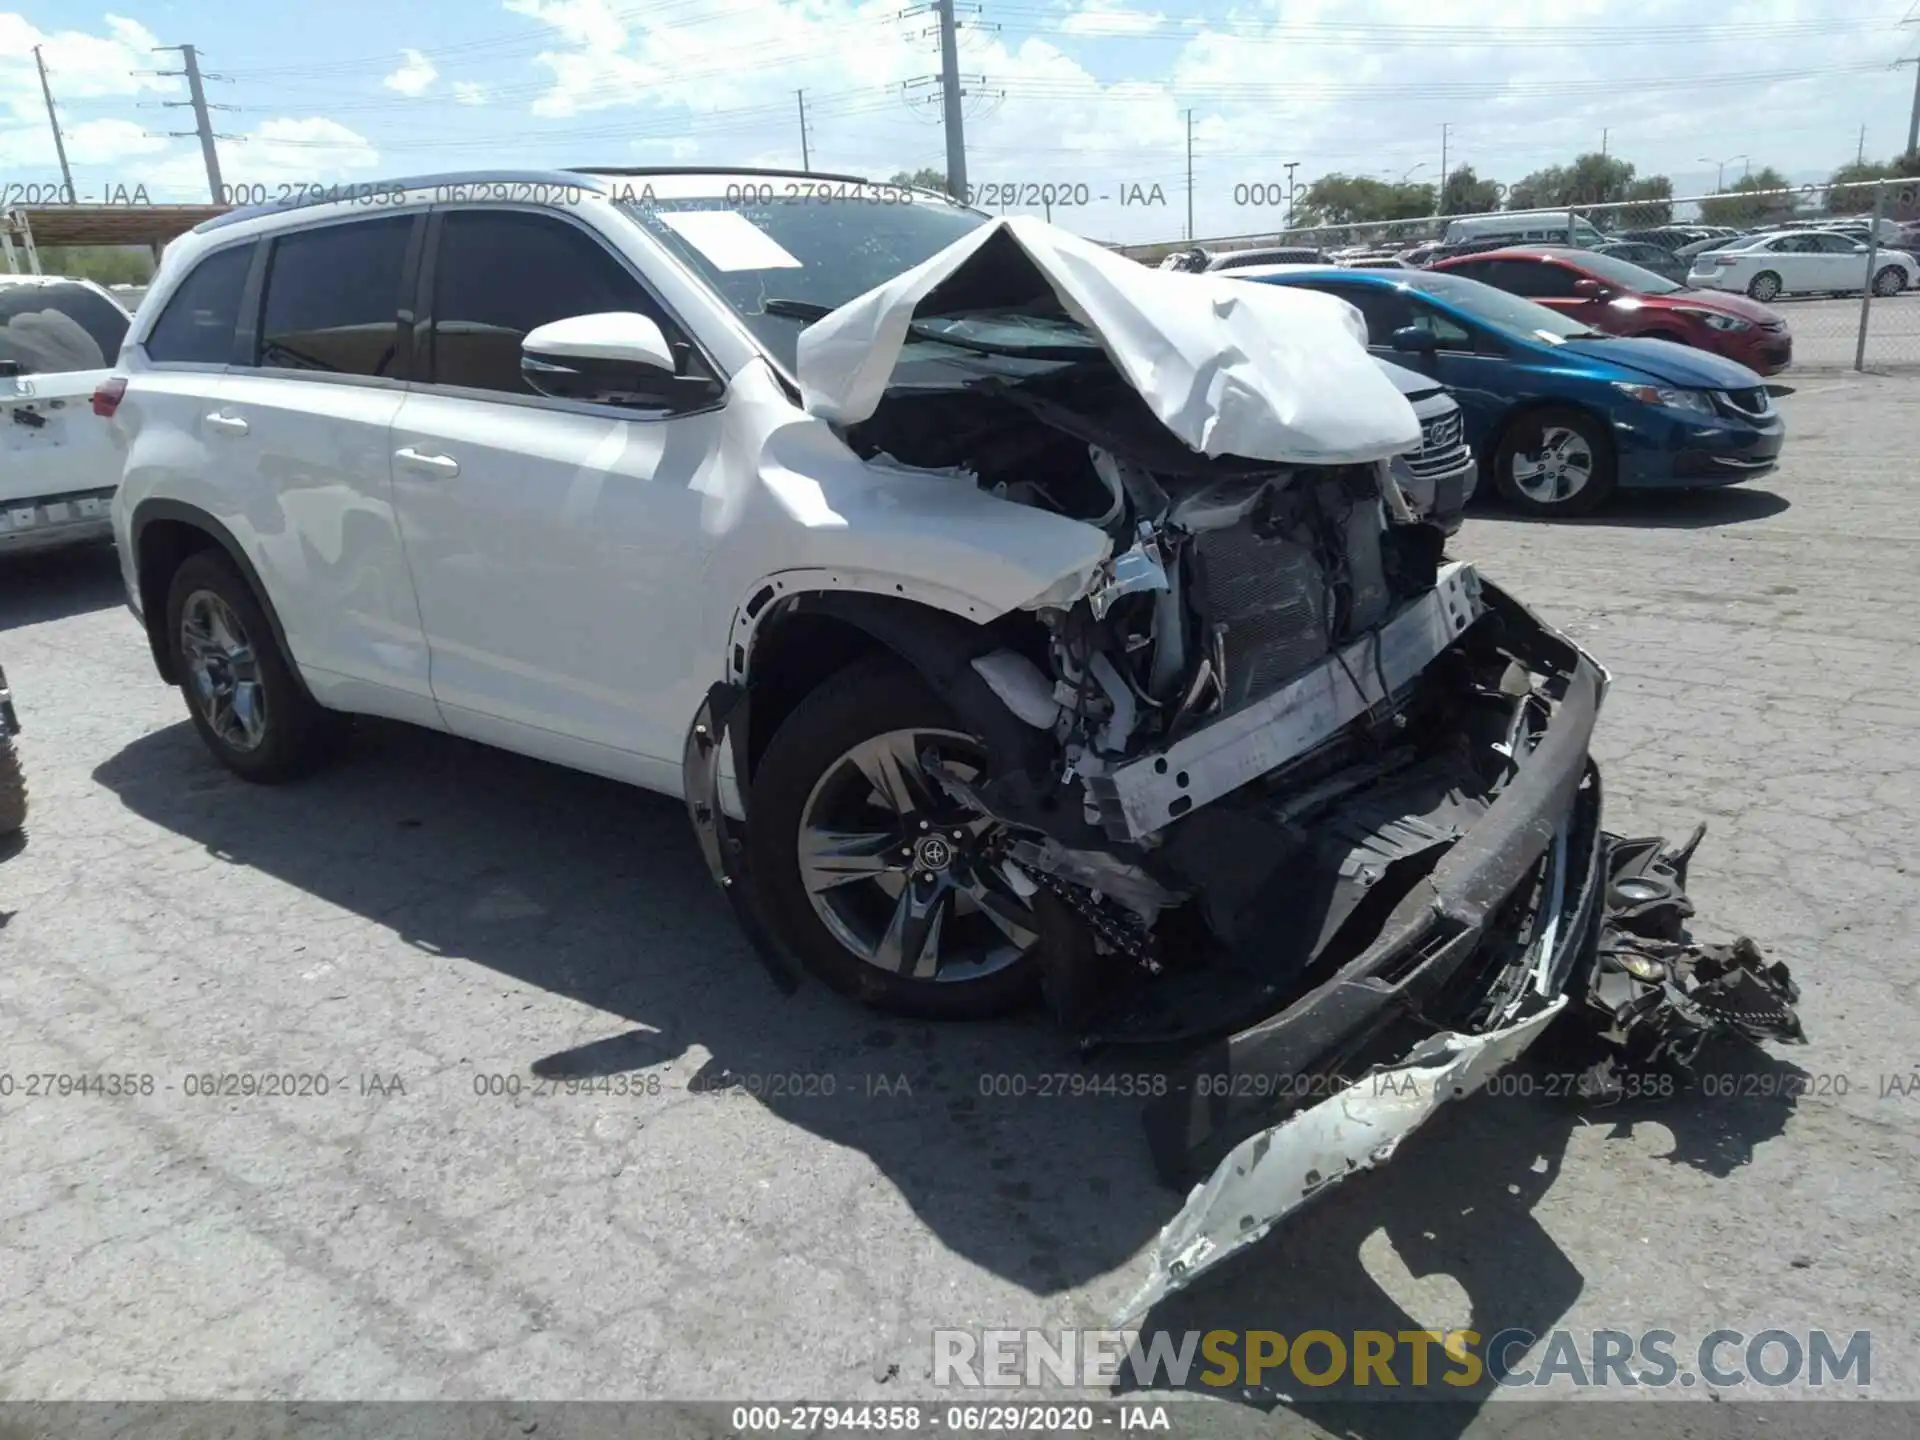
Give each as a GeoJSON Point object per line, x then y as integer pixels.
{"type": "Point", "coordinates": [555, 547]}
{"type": "Point", "coordinates": [61, 339]}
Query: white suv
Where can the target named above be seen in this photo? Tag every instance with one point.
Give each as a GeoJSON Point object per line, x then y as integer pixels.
{"type": "Point", "coordinates": [1013, 618]}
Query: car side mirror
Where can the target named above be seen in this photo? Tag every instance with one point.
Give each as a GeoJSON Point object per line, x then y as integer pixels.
{"type": "Point", "coordinates": [1592, 289]}
{"type": "Point", "coordinates": [614, 358]}
{"type": "Point", "coordinates": [1415, 339]}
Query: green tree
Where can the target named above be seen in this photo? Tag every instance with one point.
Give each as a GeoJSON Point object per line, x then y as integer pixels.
{"type": "Point", "coordinates": [1847, 187]}
{"type": "Point", "coordinates": [1354, 199]}
{"type": "Point", "coordinates": [925, 178]}
{"type": "Point", "coordinates": [1592, 179]}
{"type": "Point", "coordinates": [1465, 193]}
{"type": "Point", "coordinates": [102, 264]}
{"type": "Point", "coordinates": [1732, 208]}
{"type": "Point", "coordinates": [1653, 195]}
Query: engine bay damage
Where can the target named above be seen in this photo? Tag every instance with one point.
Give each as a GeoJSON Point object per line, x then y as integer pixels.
{"type": "Point", "coordinates": [1293, 800]}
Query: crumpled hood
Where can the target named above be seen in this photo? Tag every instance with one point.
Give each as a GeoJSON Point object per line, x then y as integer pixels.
{"type": "Point", "coordinates": [1256, 371]}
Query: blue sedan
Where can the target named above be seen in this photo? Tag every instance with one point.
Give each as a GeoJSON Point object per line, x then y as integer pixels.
{"type": "Point", "coordinates": [1559, 414]}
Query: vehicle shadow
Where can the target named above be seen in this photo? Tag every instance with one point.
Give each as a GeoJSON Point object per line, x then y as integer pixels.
{"type": "Point", "coordinates": [596, 892]}
{"type": "Point", "coordinates": [1661, 510]}
{"type": "Point", "coordinates": [40, 586]}
{"type": "Point", "coordinates": [1451, 1224]}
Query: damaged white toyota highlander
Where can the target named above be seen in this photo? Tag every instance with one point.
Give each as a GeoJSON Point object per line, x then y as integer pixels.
{"type": "Point", "coordinates": [1014, 619]}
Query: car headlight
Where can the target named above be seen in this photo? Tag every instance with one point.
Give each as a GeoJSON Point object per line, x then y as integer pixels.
{"type": "Point", "coordinates": [1669, 399]}
{"type": "Point", "coordinates": [1716, 321]}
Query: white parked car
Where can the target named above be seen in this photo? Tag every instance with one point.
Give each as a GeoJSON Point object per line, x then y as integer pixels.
{"type": "Point", "coordinates": [1802, 262]}
{"type": "Point", "coordinates": [58, 465]}
{"type": "Point", "coordinates": [1011, 617]}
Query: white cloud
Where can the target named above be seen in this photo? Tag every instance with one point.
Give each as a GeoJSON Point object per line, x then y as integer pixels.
{"type": "Point", "coordinates": [80, 66]}
{"type": "Point", "coordinates": [415, 76]}
{"type": "Point", "coordinates": [1111, 17]}
{"type": "Point", "coordinates": [469, 93]}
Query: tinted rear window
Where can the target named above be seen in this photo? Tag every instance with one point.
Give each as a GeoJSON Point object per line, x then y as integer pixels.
{"type": "Point", "coordinates": [54, 328]}
{"type": "Point", "coordinates": [197, 326]}
{"type": "Point", "coordinates": [333, 298]}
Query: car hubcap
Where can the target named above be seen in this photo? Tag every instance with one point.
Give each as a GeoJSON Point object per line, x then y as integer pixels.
{"type": "Point", "coordinates": [222, 670]}
{"type": "Point", "coordinates": [1558, 470]}
{"type": "Point", "coordinates": [1888, 283]}
{"type": "Point", "coordinates": [903, 875]}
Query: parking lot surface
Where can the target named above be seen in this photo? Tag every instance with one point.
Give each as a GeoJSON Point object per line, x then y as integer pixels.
{"type": "Point", "coordinates": [1826, 333]}
{"type": "Point", "coordinates": [434, 944]}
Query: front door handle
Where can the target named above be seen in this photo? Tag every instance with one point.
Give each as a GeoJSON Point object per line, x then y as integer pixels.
{"type": "Point", "coordinates": [432, 464]}
{"type": "Point", "coordinates": [227, 424]}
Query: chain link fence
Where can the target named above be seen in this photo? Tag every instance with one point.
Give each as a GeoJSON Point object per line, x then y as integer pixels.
{"type": "Point", "coordinates": [1839, 264]}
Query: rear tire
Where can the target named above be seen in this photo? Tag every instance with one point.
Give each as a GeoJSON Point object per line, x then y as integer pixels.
{"type": "Point", "coordinates": [829, 900]}
{"type": "Point", "coordinates": [240, 689]}
{"type": "Point", "coordinates": [1764, 286]}
{"type": "Point", "coordinates": [1555, 461]}
{"type": "Point", "coordinates": [13, 789]}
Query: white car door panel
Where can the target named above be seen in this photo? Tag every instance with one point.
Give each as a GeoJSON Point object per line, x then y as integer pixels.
{"type": "Point", "coordinates": [306, 459]}
{"type": "Point", "coordinates": [556, 548]}
{"type": "Point", "coordinates": [556, 555]}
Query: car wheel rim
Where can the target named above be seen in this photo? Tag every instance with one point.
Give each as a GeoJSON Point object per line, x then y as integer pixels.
{"type": "Point", "coordinates": [1556, 471]}
{"type": "Point", "coordinates": [1888, 283]}
{"type": "Point", "coordinates": [904, 876]}
{"type": "Point", "coordinates": [223, 671]}
{"type": "Point", "coordinates": [1765, 288]}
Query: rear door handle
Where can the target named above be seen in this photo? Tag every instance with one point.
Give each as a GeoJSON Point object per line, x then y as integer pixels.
{"type": "Point", "coordinates": [432, 464]}
{"type": "Point", "coordinates": [227, 424]}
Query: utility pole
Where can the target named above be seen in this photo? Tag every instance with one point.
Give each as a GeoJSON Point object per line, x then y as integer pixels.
{"type": "Point", "coordinates": [53, 119]}
{"type": "Point", "coordinates": [806, 160]}
{"type": "Point", "coordinates": [1291, 166]}
{"type": "Point", "coordinates": [1189, 174]}
{"type": "Point", "coordinates": [202, 123]}
{"type": "Point", "coordinates": [950, 97]}
{"type": "Point", "coordinates": [1603, 143]}
{"type": "Point", "coordinates": [1860, 155]}
{"type": "Point", "coordinates": [1440, 198]}
{"type": "Point", "coordinates": [1913, 121]}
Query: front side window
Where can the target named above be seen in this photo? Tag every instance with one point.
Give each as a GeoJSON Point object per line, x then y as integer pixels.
{"type": "Point", "coordinates": [1534, 279]}
{"type": "Point", "coordinates": [48, 329]}
{"type": "Point", "coordinates": [197, 326]}
{"type": "Point", "coordinates": [1384, 307]}
{"type": "Point", "coordinates": [333, 298]}
{"type": "Point", "coordinates": [502, 273]}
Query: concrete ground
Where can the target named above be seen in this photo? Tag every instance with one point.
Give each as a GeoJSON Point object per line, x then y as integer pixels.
{"type": "Point", "coordinates": [433, 924]}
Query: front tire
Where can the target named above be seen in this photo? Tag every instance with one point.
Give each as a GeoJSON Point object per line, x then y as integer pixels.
{"type": "Point", "coordinates": [1764, 286]}
{"type": "Point", "coordinates": [1555, 462]}
{"type": "Point", "coordinates": [885, 887]}
{"type": "Point", "coordinates": [1890, 280]}
{"type": "Point", "coordinates": [240, 688]}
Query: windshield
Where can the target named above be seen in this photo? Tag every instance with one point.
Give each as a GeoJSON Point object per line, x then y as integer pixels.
{"type": "Point", "coordinates": [1624, 273]}
{"type": "Point", "coordinates": [1498, 308]}
{"type": "Point", "coordinates": [817, 251]}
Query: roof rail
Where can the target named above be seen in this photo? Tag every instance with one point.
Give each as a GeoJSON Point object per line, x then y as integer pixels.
{"type": "Point", "coordinates": [348, 189]}
{"type": "Point", "coordinates": [640, 170]}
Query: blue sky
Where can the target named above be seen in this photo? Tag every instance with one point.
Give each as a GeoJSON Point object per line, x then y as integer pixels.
{"type": "Point", "coordinates": [1091, 95]}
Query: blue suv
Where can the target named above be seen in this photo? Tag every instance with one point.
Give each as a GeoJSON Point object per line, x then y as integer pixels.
{"type": "Point", "coordinates": [1559, 414]}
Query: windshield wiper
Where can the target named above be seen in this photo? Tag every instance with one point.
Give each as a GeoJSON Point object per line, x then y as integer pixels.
{"type": "Point", "coordinates": [794, 309]}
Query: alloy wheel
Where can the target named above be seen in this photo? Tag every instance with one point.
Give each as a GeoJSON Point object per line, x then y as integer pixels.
{"type": "Point", "coordinates": [223, 671]}
{"type": "Point", "coordinates": [1558, 470]}
{"type": "Point", "coordinates": [903, 875]}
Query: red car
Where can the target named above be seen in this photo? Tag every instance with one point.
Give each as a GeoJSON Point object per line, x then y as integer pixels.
{"type": "Point", "coordinates": [1618, 298]}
